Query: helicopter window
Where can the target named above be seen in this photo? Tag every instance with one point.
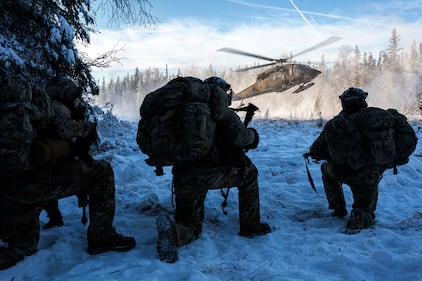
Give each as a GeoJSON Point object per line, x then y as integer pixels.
{"type": "Point", "coordinates": [281, 73]}
{"type": "Point", "coordinates": [276, 75]}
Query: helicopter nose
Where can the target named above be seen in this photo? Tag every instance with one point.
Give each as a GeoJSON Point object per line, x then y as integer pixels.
{"type": "Point", "coordinates": [314, 73]}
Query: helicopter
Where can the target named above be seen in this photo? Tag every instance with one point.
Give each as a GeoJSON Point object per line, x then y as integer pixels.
{"type": "Point", "coordinates": [282, 75]}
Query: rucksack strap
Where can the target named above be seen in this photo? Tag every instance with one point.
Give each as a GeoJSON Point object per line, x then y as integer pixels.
{"type": "Point", "coordinates": [224, 203]}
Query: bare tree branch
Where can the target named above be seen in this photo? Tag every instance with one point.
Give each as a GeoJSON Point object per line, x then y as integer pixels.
{"type": "Point", "coordinates": [103, 60]}
{"type": "Point", "coordinates": [127, 12]}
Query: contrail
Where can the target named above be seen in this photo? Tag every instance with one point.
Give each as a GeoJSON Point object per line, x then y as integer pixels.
{"type": "Point", "coordinates": [244, 3]}
{"type": "Point", "coordinates": [302, 15]}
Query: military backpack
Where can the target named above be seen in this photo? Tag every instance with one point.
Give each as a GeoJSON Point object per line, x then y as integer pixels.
{"type": "Point", "coordinates": [371, 137]}
{"type": "Point", "coordinates": [176, 124]}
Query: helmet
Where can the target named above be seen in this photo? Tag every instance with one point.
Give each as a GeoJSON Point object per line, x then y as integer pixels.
{"type": "Point", "coordinates": [64, 90]}
{"type": "Point", "coordinates": [219, 82]}
{"type": "Point", "coordinates": [353, 93]}
{"type": "Point", "coordinates": [353, 99]}
{"type": "Point", "coordinates": [222, 84]}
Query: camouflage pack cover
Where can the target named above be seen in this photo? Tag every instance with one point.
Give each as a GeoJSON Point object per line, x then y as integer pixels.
{"type": "Point", "coordinates": [41, 108]}
{"type": "Point", "coordinates": [372, 136]}
{"type": "Point", "coordinates": [405, 138]}
{"type": "Point", "coordinates": [377, 127]}
{"type": "Point", "coordinates": [364, 138]}
{"type": "Point", "coordinates": [176, 123]}
{"type": "Point", "coordinates": [16, 131]}
{"type": "Point", "coordinates": [344, 142]}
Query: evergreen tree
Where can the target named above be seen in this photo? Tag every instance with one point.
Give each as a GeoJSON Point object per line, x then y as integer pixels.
{"type": "Point", "coordinates": [414, 60]}
{"type": "Point", "coordinates": [38, 38]}
{"type": "Point", "coordinates": [393, 51]}
{"type": "Point", "coordinates": [356, 75]}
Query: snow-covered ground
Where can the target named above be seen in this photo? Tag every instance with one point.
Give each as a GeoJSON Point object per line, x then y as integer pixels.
{"type": "Point", "coordinates": [306, 243]}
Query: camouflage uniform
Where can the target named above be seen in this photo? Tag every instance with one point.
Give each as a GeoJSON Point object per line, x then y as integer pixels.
{"type": "Point", "coordinates": [362, 180]}
{"type": "Point", "coordinates": [226, 165]}
{"type": "Point", "coordinates": [32, 189]}
{"type": "Point", "coordinates": [231, 167]}
{"type": "Point", "coordinates": [19, 223]}
{"type": "Point", "coordinates": [87, 178]}
{"type": "Point", "coordinates": [45, 183]}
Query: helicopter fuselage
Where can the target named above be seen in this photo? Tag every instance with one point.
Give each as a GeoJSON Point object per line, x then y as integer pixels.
{"type": "Point", "coordinates": [282, 75]}
{"type": "Point", "coordinates": [280, 78]}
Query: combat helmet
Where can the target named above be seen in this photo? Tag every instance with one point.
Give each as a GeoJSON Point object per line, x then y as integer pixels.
{"type": "Point", "coordinates": [219, 82]}
{"type": "Point", "coordinates": [353, 99]}
{"type": "Point", "coordinates": [64, 90]}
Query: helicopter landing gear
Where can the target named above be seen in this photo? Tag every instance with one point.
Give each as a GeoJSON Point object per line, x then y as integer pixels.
{"type": "Point", "coordinates": [303, 87]}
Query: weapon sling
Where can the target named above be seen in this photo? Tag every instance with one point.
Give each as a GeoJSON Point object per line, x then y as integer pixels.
{"type": "Point", "coordinates": [308, 172]}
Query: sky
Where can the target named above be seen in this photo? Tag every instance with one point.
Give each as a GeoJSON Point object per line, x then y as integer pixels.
{"type": "Point", "coordinates": [306, 242]}
{"type": "Point", "coordinates": [190, 33]}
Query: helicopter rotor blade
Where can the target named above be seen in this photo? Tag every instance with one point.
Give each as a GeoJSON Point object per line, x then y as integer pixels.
{"type": "Point", "coordinates": [254, 67]}
{"type": "Point", "coordinates": [239, 52]}
{"type": "Point", "coordinates": [326, 42]}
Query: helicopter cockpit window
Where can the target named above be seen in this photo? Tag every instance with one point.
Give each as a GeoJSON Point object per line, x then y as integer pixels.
{"type": "Point", "coordinates": [274, 76]}
{"type": "Point", "coordinates": [280, 74]}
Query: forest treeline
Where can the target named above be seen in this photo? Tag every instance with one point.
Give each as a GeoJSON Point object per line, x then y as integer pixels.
{"type": "Point", "coordinates": [352, 67]}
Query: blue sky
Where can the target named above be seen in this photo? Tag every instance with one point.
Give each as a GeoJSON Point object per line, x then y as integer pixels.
{"type": "Point", "coordinates": [189, 32]}
{"type": "Point", "coordinates": [316, 12]}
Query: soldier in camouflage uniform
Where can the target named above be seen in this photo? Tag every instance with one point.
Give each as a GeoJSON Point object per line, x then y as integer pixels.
{"type": "Point", "coordinates": [228, 166]}
{"type": "Point", "coordinates": [67, 176]}
{"type": "Point", "coordinates": [363, 181]}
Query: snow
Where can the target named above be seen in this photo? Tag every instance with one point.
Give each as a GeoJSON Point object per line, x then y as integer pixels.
{"type": "Point", "coordinates": [306, 243]}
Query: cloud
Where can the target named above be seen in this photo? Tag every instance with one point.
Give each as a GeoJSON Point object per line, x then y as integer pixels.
{"type": "Point", "coordinates": [186, 42]}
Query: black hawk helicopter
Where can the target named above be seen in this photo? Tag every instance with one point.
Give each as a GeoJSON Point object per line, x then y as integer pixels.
{"type": "Point", "coordinates": [282, 75]}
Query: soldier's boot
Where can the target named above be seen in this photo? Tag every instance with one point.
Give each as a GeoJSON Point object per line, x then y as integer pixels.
{"type": "Point", "coordinates": [54, 215]}
{"type": "Point", "coordinates": [249, 213]}
{"type": "Point", "coordinates": [111, 241]}
{"type": "Point", "coordinates": [339, 211]}
{"type": "Point", "coordinates": [255, 230]}
{"type": "Point", "coordinates": [167, 239]}
{"type": "Point", "coordinates": [359, 219]}
{"type": "Point", "coordinates": [8, 258]}
{"type": "Point", "coordinates": [24, 240]}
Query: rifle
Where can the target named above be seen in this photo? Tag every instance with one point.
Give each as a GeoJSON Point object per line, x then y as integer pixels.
{"type": "Point", "coordinates": [250, 111]}
{"type": "Point", "coordinates": [316, 158]}
{"type": "Point", "coordinates": [81, 147]}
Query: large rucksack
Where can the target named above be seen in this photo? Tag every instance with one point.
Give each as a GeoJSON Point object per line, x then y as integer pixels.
{"type": "Point", "coordinates": [16, 131]}
{"type": "Point", "coordinates": [344, 142]}
{"type": "Point", "coordinates": [372, 136]}
{"type": "Point", "coordinates": [379, 144]}
{"type": "Point", "coordinates": [176, 124]}
{"type": "Point", "coordinates": [405, 138]}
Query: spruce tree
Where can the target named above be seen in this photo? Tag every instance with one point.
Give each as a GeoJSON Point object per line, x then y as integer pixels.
{"type": "Point", "coordinates": [37, 37]}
